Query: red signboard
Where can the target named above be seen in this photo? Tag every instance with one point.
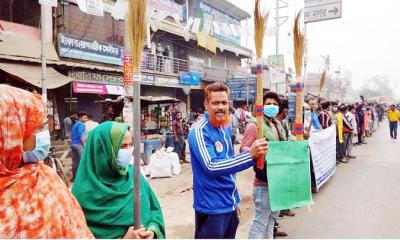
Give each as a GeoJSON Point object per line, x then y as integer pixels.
{"type": "Point", "coordinates": [128, 70]}
{"type": "Point", "coordinates": [80, 87]}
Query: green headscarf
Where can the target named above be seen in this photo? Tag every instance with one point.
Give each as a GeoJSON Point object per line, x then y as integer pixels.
{"type": "Point", "coordinates": [105, 192]}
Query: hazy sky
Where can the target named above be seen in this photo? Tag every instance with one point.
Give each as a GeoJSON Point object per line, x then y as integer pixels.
{"type": "Point", "coordinates": [366, 40]}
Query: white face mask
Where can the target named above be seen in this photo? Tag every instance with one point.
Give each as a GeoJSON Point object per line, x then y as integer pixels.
{"type": "Point", "coordinates": [41, 150]}
{"type": "Point", "coordinates": [124, 157]}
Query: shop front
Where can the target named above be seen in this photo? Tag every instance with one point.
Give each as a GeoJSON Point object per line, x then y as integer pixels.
{"type": "Point", "coordinates": [89, 87]}
{"type": "Point", "coordinates": [29, 77]}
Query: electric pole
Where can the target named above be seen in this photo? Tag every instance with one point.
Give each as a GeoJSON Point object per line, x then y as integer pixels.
{"type": "Point", "coordinates": [45, 31]}
{"type": "Point", "coordinates": [278, 23]}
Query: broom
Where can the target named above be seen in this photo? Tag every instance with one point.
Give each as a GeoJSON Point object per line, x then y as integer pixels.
{"type": "Point", "coordinates": [137, 34]}
{"type": "Point", "coordinates": [321, 84]}
{"type": "Point", "coordinates": [260, 23]}
{"type": "Point", "coordinates": [298, 54]}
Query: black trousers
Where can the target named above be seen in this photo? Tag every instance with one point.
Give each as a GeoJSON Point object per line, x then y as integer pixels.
{"type": "Point", "coordinates": [213, 226]}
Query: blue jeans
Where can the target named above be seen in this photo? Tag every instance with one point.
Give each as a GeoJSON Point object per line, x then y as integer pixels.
{"type": "Point", "coordinates": [76, 154]}
{"type": "Point", "coordinates": [264, 219]}
{"type": "Point", "coordinates": [393, 129]}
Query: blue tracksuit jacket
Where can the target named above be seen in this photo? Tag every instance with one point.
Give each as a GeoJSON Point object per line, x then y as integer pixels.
{"type": "Point", "coordinates": [214, 168]}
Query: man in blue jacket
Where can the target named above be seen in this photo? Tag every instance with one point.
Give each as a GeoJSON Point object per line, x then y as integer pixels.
{"type": "Point", "coordinates": [215, 166]}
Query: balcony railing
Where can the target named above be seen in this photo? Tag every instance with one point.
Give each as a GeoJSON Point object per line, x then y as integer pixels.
{"type": "Point", "coordinates": [167, 65]}
{"type": "Point", "coordinates": [162, 64]}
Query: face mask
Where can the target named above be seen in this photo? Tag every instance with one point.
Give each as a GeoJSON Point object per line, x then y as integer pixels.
{"type": "Point", "coordinates": [334, 109]}
{"type": "Point", "coordinates": [41, 150]}
{"type": "Point", "coordinates": [271, 111]}
{"type": "Point", "coordinates": [124, 157]}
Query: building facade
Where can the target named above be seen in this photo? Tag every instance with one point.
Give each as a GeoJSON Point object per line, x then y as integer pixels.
{"type": "Point", "coordinates": [190, 44]}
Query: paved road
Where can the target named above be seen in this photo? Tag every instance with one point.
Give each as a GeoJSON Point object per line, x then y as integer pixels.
{"type": "Point", "coordinates": [362, 200]}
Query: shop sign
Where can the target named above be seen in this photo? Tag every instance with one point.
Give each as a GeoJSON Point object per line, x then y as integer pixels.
{"type": "Point", "coordinates": [91, 50]}
{"type": "Point", "coordinates": [243, 87]}
{"type": "Point", "coordinates": [128, 70]}
{"type": "Point", "coordinates": [166, 8]}
{"type": "Point", "coordinates": [189, 78]}
{"type": "Point", "coordinates": [100, 89]}
{"type": "Point", "coordinates": [92, 77]}
{"type": "Point", "coordinates": [147, 79]}
{"type": "Point", "coordinates": [217, 24]}
{"type": "Point", "coordinates": [166, 81]}
{"type": "Point", "coordinates": [276, 66]}
{"type": "Point", "coordinates": [114, 90]}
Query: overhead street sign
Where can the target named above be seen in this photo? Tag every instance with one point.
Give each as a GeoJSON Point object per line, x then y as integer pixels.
{"type": "Point", "coordinates": [320, 10]}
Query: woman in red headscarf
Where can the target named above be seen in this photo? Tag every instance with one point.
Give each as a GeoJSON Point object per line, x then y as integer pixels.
{"type": "Point", "coordinates": [34, 202]}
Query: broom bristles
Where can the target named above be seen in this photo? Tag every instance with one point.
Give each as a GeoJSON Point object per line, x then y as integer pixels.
{"type": "Point", "coordinates": [298, 38]}
{"type": "Point", "coordinates": [260, 23]}
{"type": "Point", "coordinates": [137, 29]}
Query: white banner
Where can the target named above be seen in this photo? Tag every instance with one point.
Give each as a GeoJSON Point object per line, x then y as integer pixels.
{"type": "Point", "coordinates": [52, 3]}
{"type": "Point", "coordinates": [94, 7]}
{"type": "Point", "coordinates": [323, 152]}
{"type": "Point", "coordinates": [115, 90]}
{"type": "Point", "coordinates": [120, 9]}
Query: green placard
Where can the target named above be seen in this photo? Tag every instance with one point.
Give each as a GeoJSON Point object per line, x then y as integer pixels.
{"type": "Point", "coordinates": [288, 171]}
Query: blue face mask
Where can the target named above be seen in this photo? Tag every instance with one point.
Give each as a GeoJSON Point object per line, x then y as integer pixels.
{"type": "Point", "coordinates": [41, 150]}
{"type": "Point", "coordinates": [124, 157]}
{"type": "Point", "coordinates": [271, 110]}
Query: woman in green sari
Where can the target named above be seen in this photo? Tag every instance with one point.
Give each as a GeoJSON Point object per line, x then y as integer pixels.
{"type": "Point", "coordinates": [104, 187]}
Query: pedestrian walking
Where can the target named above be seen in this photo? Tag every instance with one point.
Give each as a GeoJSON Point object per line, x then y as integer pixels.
{"type": "Point", "coordinates": [264, 219]}
{"type": "Point", "coordinates": [77, 141]}
{"type": "Point", "coordinates": [214, 165]}
{"type": "Point", "coordinates": [68, 123]}
{"type": "Point", "coordinates": [394, 118]}
{"type": "Point", "coordinates": [35, 202]}
{"type": "Point", "coordinates": [105, 189]}
{"type": "Point", "coordinates": [179, 137]}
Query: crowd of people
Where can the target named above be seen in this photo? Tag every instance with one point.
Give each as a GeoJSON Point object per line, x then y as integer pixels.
{"type": "Point", "coordinates": [35, 203]}
{"type": "Point", "coordinates": [354, 121]}
{"type": "Point", "coordinates": [214, 161]}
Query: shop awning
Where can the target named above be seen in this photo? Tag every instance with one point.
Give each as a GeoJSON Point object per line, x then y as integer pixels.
{"type": "Point", "coordinates": [162, 99]}
{"type": "Point", "coordinates": [33, 75]}
{"type": "Point", "coordinates": [23, 47]}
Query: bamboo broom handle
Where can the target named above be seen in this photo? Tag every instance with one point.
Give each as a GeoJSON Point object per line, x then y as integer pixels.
{"type": "Point", "coordinates": [259, 112]}
{"type": "Point", "coordinates": [299, 125]}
